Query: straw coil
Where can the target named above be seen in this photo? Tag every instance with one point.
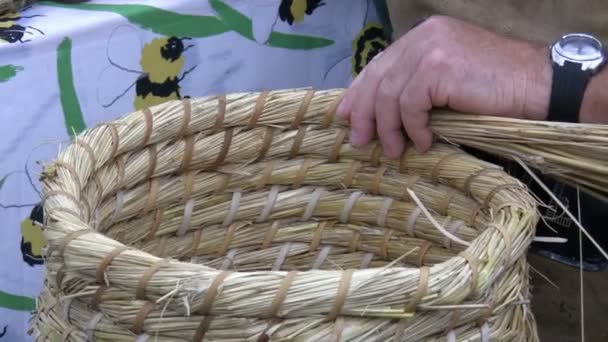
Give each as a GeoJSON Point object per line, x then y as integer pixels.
{"type": "Point", "coordinates": [248, 216]}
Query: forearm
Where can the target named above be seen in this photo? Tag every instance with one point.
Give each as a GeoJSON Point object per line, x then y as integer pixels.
{"type": "Point", "coordinates": [594, 108]}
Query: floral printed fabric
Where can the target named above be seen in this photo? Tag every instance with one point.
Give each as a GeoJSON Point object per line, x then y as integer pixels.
{"type": "Point", "coordinates": [64, 68]}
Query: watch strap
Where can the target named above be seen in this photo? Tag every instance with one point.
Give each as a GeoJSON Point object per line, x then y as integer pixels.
{"type": "Point", "coordinates": [567, 92]}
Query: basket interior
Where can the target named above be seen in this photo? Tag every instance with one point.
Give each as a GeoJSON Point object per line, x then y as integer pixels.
{"type": "Point", "coordinates": [320, 223]}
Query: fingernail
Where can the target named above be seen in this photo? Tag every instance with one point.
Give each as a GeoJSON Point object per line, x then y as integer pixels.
{"type": "Point", "coordinates": [342, 107]}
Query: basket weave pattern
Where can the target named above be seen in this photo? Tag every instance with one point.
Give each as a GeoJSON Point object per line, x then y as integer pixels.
{"type": "Point", "coordinates": [250, 217]}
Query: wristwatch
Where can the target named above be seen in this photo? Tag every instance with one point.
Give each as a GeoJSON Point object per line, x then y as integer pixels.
{"type": "Point", "coordinates": [576, 58]}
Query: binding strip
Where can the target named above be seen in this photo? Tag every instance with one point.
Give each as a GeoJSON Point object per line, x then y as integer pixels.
{"type": "Point", "coordinates": [152, 196]}
{"type": "Point", "coordinates": [331, 112]}
{"type": "Point", "coordinates": [420, 290]}
{"type": "Point", "coordinates": [89, 151]}
{"type": "Point", "coordinates": [366, 260]}
{"type": "Point", "coordinates": [445, 202]}
{"type": "Point", "coordinates": [376, 154]}
{"type": "Point", "coordinates": [469, 181]}
{"type": "Point", "coordinates": [140, 318]}
{"type": "Point", "coordinates": [348, 206]}
{"type": "Point", "coordinates": [188, 153]}
{"type": "Point", "coordinates": [228, 239]}
{"type": "Point", "coordinates": [312, 205]}
{"type": "Point", "coordinates": [225, 148]}
{"type": "Point", "coordinates": [341, 294]}
{"type": "Point", "coordinates": [158, 216]}
{"type": "Point", "coordinates": [383, 211]}
{"type": "Point", "coordinates": [270, 203]}
{"type": "Point", "coordinates": [424, 249]}
{"type": "Point", "coordinates": [411, 221]}
{"type": "Point", "coordinates": [498, 189]}
{"type": "Point", "coordinates": [212, 292]}
{"type": "Point", "coordinates": [73, 173]}
{"type": "Point", "coordinates": [321, 256]}
{"type": "Point", "coordinates": [92, 325]}
{"type": "Point", "coordinates": [301, 175]}
{"type": "Point", "coordinates": [152, 161]}
{"type": "Point", "coordinates": [453, 229]}
{"type": "Point", "coordinates": [148, 128]}
{"type": "Point", "coordinates": [187, 110]}
{"type": "Point", "coordinates": [334, 154]}
{"type": "Point", "coordinates": [384, 246]}
{"type": "Point", "coordinates": [221, 113]}
{"type": "Point", "coordinates": [115, 139]}
{"type": "Point", "coordinates": [317, 235]}
{"type": "Point", "coordinates": [336, 334]}
{"type": "Point", "coordinates": [473, 265]}
{"type": "Point", "coordinates": [435, 174]}
{"type": "Point", "coordinates": [350, 174]}
{"type": "Point", "coordinates": [234, 207]}
{"type": "Point", "coordinates": [187, 217]}
{"type": "Point", "coordinates": [65, 336]}
{"type": "Point", "coordinates": [266, 142]}
{"type": "Point", "coordinates": [411, 182]}
{"type": "Point", "coordinates": [297, 142]}
{"type": "Point", "coordinates": [140, 291]}
{"type": "Point", "coordinates": [281, 294]}
{"type": "Point", "coordinates": [375, 188]}
{"type": "Point", "coordinates": [69, 237]}
{"type": "Point", "coordinates": [278, 263]}
{"type": "Point", "coordinates": [259, 108]}
{"type": "Point", "coordinates": [270, 233]}
{"type": "Point", "coordinates": [453, 321]}
{"type": "Point", "coordinates": [105, 263]}
{"type": "Point", "coordinates": [303, 109]}
{"type": "Point", "coordinates": [97, 296]}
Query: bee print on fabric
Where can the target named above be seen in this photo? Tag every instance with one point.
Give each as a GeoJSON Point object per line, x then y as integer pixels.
{"type": "Point", "coordinates": [32, 237]}
{"type": "Point", "coordinates": [369, 42]}
{"type": "Point", "coordinates": [162, 61]}
{"type": "Point", "coordinates": [13, 32]}
{"type": "Point", "coordinates": [159, 68]}
{"type": "Point", "coordinates": [291, 11]}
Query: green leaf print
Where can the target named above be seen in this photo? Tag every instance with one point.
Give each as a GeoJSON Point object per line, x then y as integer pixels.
{"type": "Point", "coordinates": [174, 24]}
{"type": "Point", "coordinates": [241, 24]}
{"type": "Point", "coordinates": [157, 20]}
{"type": "Point", "coordinates": [15, 302]}
{"type": "Point", "coordinates": [74, 121]}
{"type": "Point", "coordinates": [9, 71]}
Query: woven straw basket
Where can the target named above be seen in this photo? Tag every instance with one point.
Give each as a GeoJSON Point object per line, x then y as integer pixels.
{"type": "Point", "coordinates": [249, 217]}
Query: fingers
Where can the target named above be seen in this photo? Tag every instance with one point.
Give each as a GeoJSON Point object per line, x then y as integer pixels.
{"type": "Point", "coordinates": [416, 101]}
{"type": "Point", "coordinates": [387, 108]}
{"type": "Point", "coordinates": [358, 104]}
{"type": "Point", "coordinates": [362, 113]}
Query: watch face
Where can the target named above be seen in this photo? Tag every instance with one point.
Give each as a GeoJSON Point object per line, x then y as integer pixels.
{"type": "Point", "coordinates": [579, 47]}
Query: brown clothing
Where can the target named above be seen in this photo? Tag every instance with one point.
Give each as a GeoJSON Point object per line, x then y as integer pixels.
{"type": "Point", "coordinates": [541, 21]}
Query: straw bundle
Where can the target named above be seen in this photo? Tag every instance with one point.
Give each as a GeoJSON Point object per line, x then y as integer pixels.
{"type": "Point", "coordinates": [575, 153]}
{"type": "Point", "coordinates": [250, 217]}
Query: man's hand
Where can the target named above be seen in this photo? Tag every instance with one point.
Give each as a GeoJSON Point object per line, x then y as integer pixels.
{"type": "Point", "coordinates": [445, 62]}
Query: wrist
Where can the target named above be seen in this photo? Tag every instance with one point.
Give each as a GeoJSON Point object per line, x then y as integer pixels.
{"type": "Point", "coordinates": [538, 84]}
{"type": "Point", "coordinates": [594, 108]}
